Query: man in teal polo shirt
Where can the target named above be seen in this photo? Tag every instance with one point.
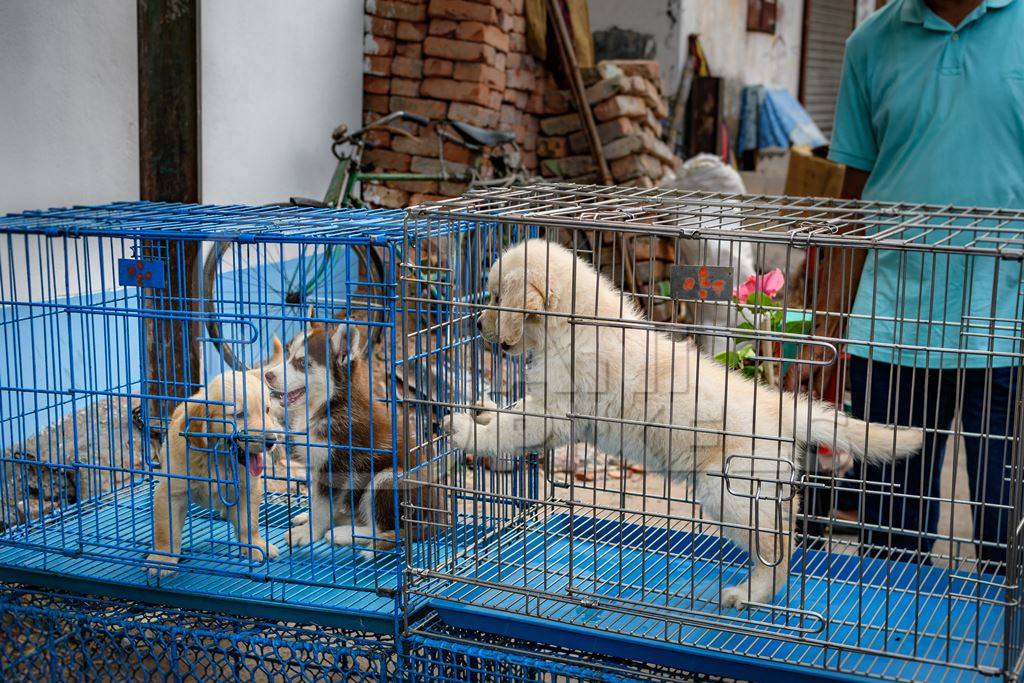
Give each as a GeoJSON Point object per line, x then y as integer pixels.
{"type": "Point", "coordinates": [931, 111]}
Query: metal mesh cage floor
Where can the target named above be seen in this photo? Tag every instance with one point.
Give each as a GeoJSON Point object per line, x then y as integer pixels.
{"type": "Point", "coordinates": [59, 637]}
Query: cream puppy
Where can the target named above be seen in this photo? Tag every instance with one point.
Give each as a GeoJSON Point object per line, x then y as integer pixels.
{"type": "Point", "coordinates": [601, 373]}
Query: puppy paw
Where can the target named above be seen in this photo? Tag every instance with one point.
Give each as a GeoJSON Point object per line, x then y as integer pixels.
{"type": "Point", "coordinates": [162, 559]}
{"type": "Point", "coordinates": [483, 411]}
{"type": "Point", "coordinates": [299, 536]}
{"type": "Point", "coordinates": [300, 518]}
{"type": "Point", "coordinates": [263, 549]}
{"type": "Point", "coordinates": [339, 535]}
{"type": "Point", "coordinates": [460, 427]}
{"type": "Point", "coordinates": [734, 597]}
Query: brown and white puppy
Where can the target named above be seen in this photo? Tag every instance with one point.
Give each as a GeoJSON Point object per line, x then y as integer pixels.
{"type": "Point", "coordinates": [216, 449]}
{"type": "Point", "coordinates": [325, 382]}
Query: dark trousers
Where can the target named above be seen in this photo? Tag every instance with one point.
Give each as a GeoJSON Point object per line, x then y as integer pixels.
{"type": "Point", "coordinates": [903, 498]}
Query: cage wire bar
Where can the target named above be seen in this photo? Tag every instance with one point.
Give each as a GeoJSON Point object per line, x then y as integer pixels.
{"type": "Point", "coordinates": [615, 551]}
{"type": "Point", "coordinates": [435, 651]}
{"type": "Point", "coordinates": [271, 490]}
{"type": "Point", "coordinates": [61, 637]}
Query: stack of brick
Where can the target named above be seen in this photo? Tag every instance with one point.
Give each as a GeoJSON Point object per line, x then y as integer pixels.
{"type": "Point", "coordinates": [628, 105]}
{"type": "Point", "coordinates": [464, 60]}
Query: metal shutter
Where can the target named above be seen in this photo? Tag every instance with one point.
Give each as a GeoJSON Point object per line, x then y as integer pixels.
{"type": "Point", "coordinates": [827, 25]}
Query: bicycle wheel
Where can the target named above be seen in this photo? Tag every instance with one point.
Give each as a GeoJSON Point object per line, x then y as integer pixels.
{"type": "Point", "coordinates": [255, 292]}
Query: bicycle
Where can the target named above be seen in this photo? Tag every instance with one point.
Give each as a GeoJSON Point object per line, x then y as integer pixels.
{"type": "Point", "coordinates": [291, 283]}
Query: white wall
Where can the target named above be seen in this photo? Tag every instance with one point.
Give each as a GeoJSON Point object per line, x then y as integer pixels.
{"type": "Point", "coordinates": [68, 103]}
{"type": "Point", "coordinates": [745, 57]}
{"type": "Point", "coordinates": [277, 77]}
{"type": "Point", "coordinates": [657, 18]}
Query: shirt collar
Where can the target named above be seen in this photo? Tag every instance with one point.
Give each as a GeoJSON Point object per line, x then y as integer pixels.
{"type": "Point", "coordinates": [916, 12]}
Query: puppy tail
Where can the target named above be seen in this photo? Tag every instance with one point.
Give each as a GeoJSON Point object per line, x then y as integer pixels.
{"type": "Point", "coordinates": [873, 442]}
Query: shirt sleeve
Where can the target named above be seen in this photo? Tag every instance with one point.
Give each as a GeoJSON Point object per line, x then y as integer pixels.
{"type": "Point", "coordinates": [853, 138]}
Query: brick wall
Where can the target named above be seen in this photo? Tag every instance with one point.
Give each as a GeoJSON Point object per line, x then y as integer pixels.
{"type": "Point", "coordinates": [466, 60]}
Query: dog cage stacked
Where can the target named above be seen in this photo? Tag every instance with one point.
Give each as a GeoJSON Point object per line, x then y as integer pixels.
{"type": "Point", "coordinates": [60, 637]}
{"type": "Point", "coordinates": [890, 553]}
{"type": "Point", "coordinates": [159, 444]}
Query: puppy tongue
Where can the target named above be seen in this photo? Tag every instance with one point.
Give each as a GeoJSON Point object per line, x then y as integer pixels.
{"type": "Point", "coordinates": [256, 464]}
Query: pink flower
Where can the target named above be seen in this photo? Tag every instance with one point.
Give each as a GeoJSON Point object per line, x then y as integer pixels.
{"type": "Point", "coordinates": [769, 284]}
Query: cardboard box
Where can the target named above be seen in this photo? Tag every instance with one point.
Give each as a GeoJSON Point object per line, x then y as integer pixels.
{"type": "Point", "coordinates": [811, 176]}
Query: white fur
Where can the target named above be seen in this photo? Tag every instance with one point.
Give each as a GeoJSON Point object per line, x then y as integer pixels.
{"type": "Point", "coordinates": [622, 377]}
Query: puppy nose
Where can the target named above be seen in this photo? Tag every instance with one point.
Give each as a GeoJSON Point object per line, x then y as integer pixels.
{"type": "Point", "coordinates": [479, 325]}
{"type": "Point", "coordinates": [269, 377]}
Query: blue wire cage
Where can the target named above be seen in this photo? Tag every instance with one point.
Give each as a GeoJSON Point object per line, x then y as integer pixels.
{"type": "Point", "coordinates": [59, 637]}
{"type": "Point", "coordinates": [110, 316]}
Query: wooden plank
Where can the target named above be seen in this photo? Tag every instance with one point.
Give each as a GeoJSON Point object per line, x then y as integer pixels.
{"type": "Point", "coordinates": [168, 45]}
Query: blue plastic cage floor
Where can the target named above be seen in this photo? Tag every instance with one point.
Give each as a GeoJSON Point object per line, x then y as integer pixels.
{"type": "Point", "coordinates": [97, 548]}
{"type": "Point", "coordinates": [651, 594]}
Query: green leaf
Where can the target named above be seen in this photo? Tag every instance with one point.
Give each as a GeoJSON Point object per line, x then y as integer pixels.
{"type": "Point", "coordinates": [798, 326]}
{"type": "Point", "coordinates": [729, 359]}
{"type": "Point", "coordinates": [665, 288]}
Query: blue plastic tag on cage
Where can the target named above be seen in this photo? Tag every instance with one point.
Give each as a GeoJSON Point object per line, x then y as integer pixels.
{"type": "Point", "coordinates": [140, 273]}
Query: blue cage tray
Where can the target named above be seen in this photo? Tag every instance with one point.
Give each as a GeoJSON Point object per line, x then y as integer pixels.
{"type": "Point", "coordinates": [98, 547]}
{"type": "Point", "coordinates": [649, 594]}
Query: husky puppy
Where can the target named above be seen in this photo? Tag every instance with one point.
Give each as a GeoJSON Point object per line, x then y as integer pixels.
{"type": "Point", "coordinates": [324, 383]}
{"type": "Point", "coordinates": [634, 391]}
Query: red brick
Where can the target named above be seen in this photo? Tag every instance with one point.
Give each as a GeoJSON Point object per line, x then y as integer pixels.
{"type": "Point", "coordinates": [377, 66]}
{"type": "Point", "coordinates": [483, 33]}
{"type": "Point", "coordinates": [622, 105]}
{"type": "Point", "coordinates": [535, 104]}
{"type": "Point", "coordinates": [606, 132]}
{"type": "Point", "coordinates": [634, 166]}
{"type": "Point", "coordinates": [419, 146]}
{"type": "Point", "coordinates": [520, 79]}
{"type": "Point", "coordinates": [517, 42]}
{"type": "Point", "coordinates": [458, 50]}
{"type": "Point", "coordinates": [406, 67]}
{"type": "Point", "coordinates": [480, 73]}
{"type": "Point", "coordinates": [387, 160]}
{"type": "Point", "coordinates": [567, 167]}
{"type": "Point", "coordinates": [377, 85]}
{"type": "Point", "coordinates": [457, 153]}
{"type": "Point", "coordinates": [422, 198]}
{"type": "Point", "coordinates": [557, 102]}
{"type": "Point", "coordinates": [552, 147]}
{"type": "Point", "coordinates": [438, 67]}
{"type": "Point", "coordinates": [432, 109]}
{"type": "Point", "coordinates": [376, 103]}
{"type": "Point", "coordinates": [457, 91]}
{"type": "Point", "coordinates": [462, 11]}
{"type": "Point", "coordinates": [509, 116]}
{"type": "Point", "coordinates": [530, 161]}
{"type": "Point", "coordinates": [378, 26]}
{"type": "Point", "coordinates": [443, 28]}
{"type": "Point", "coordinates": [646, 68]}
{"type": "Point", "coordinates": [394, 9]}
{"type": "Point", "coordinates": [374, 45]}
{"type": "Point", "coordinates": [470, 113]}
{"type": "Point", "coordinates": [452, 189]}
{"type": "Point", "coordinates": [430, 166]}
{"type": "Point", "coordinates": [413, 32]}
{"type": "Point", "coordinates": [507, 6]}
{"type": "Point", "coordinates": [414, 185]}
{"type": "Point", "coordinates": [407, 87]}
{"type": "Point", "coordinates": [517, 97]}
{"type": "Point", "coordinates": [378, 195]}
{"type": "Point", "coordinates": [561, 125]}
{"type": "Point", "coordinates": [505, 22]}
{"type": "Point", "coordinates": [518, 24]}
{"type": "Point", "coordinates": [410, 50]}
{"type": "Point", "coordinates": [500, 61]}
{"type": "Point", "coordinates": [378, 137]}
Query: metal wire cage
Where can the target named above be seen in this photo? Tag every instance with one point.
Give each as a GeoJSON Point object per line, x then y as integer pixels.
{"type": "Point", "coordinates": [158, 440]}
{"type": "Point", "coordinates": [59, 637]}
{"type": "Point", "coordinates": [695, 507]}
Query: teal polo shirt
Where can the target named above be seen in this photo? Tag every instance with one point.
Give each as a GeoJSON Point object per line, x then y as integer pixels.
{"type": "Point", "coordinates": [935, 113]}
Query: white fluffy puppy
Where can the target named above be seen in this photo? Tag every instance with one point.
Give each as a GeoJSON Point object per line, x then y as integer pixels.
{"type": "Point", "coordinates": [634, 391]}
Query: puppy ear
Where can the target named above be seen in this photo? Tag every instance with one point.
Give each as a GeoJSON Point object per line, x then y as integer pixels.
{"type": "Point", "coordinates": [346, 342]}
{"type": "Point", "coordinates": [313, 324]}
{"type": "Point", "coordinates": [277, 356]}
